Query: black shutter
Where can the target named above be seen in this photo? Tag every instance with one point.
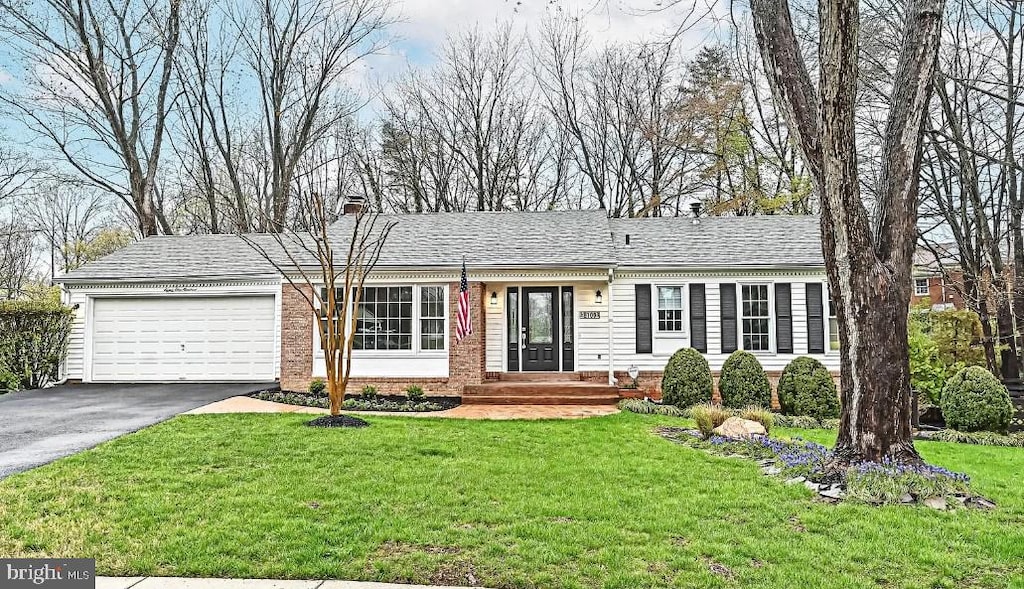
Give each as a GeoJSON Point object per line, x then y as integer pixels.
{"type": "Point", "coordinates": [728, 323]}
{"type": "Point", "coordinates": [698, 319]}
{"type": "Point", "coordinates": [783, 318]}
{"type": "Point", "coordinates": [815, 319]}
{"type": "Point", "coordinates": [644, 343]}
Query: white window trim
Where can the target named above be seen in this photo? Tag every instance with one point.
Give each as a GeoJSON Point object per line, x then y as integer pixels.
{"type": "Point", "coordinates": [927, 287]}
{"type": "Point", "coordinates": [682, 333]}
{"type": "Point", "coordinates": [415, 351]}
{"type": "Point", "coordinates": [828, 323]}
{"type": "Point", "coordinates": [772, 349]}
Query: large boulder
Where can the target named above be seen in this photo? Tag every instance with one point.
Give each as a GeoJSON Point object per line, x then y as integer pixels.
{"type": "Point", "coordinates": [735, 427]}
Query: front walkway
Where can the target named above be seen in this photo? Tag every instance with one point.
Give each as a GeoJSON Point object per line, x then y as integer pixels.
{"type": "Point", "coordinates": [189, 583]}
{"type": "Point", "coordinates": [250, 405]}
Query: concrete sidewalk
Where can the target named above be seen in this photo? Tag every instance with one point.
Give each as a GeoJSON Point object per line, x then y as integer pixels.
{"type": "Point", "coordinates": [189, 583]}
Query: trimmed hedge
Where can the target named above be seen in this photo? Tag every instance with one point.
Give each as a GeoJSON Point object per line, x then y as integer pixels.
{"type": "Point", "coordinates": [687, 379]}
{"type": "Point", "coordinates": [974, 400]}
{"type": "Point", "coordinates": [743, 382]}
{"type": "Point", "coordinates": [33, 342]}
{"type": "Point", "coordinates": [806, 388]}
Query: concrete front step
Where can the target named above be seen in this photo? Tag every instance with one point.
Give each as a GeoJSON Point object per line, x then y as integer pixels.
{"type": "Point", "coordinates": [535, 400]}
{"type": "Point", "coordinates": [539, 376]}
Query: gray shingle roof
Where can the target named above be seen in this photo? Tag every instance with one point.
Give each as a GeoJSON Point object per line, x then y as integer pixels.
{"type": "Point", "coordinates": [715, 242]}
{"type": "Point", "coordinates": [490, 240]}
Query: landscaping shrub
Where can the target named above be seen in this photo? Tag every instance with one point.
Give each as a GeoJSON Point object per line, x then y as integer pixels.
{"type": "Point", "coordinates": [758, 414]}
{"type": "Point", "coordinates": [941, 344]}
{"type": "Point", "coordinates": [889, 482]}
{"type": "Point", "coordinates": [649, 408]}
{"type": "Point", "coordinates": [975, 400]}
{"type": "Point", "coordinates": [1014, 440]}
{"type": "Point", "coordinates": [33, 342]}
{"type": "Point", "coordinates": [806, 388]}
{"type": "Point", "coordinates": [743, 382]}
{"type": "Point", "coordinates": [687, 379]}
{"type": "Point", "coordinates": [415, 393]}
{"type": "Point", "coordinates": [317, 386]}
{"type": "Point", "coordinates": [708, 416]}
{"type": "Point", "coordinates": [369, 392]}
{"type": "Point", "coordinates": [8, 381]}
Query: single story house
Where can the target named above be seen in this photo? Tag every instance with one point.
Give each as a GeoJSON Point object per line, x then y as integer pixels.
{"type": "Point", "coordinates": [562, 293]}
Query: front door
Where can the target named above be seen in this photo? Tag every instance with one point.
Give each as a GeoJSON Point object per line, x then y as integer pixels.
{"type": "Point", "coordinates": [540, 328]}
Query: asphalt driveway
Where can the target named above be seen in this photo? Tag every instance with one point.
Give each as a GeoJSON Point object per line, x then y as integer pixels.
{"type": "Point", "coordinates": [40, 426]}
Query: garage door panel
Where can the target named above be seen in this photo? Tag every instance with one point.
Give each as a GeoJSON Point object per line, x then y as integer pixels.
{"type": "Point", "coordinates": [184, 338]}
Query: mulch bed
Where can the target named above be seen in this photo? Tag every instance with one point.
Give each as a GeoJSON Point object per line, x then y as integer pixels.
{"type": "Point", "coordinates": [388, 403]}
{"type": "Point", "coordinates": [337, 421]}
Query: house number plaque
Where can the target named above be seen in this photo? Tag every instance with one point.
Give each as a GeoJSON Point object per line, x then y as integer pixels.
{"type": "Point", "coordinates": [590, 314]}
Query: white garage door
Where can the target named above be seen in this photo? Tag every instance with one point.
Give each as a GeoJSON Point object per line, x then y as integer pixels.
{"type": "Point", "coordinates": [183, 338]}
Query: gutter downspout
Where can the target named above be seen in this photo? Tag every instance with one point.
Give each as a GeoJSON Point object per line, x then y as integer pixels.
{"type": "Point", "coordinates": [611, 331]}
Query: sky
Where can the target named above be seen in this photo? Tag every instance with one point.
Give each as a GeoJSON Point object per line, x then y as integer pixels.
{"type": "Point", "coordinates": [423, 26]}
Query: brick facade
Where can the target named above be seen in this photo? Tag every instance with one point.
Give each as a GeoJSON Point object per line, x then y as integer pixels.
{"type": "Point", "coordinates": [466, 360]}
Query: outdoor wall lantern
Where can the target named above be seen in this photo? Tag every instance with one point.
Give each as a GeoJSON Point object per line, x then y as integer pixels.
{"type": "Point", "coordinates": [494, 299]}
{"type": "Point", "coordinates": [598, 298]}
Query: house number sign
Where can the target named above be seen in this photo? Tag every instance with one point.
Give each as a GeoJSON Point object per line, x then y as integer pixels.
{"type": "Point", "coordinates": [590, 314]}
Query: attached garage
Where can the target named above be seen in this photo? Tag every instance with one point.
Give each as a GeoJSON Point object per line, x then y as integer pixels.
{"type": "Point", "coordinates": [183, 338]}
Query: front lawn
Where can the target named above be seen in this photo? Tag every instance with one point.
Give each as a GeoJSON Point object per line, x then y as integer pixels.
{"type": "Point", "coordinates": [599, 502]}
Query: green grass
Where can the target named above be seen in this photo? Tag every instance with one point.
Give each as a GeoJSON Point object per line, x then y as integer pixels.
{"type": "Point", "coordinates": [600, 502]}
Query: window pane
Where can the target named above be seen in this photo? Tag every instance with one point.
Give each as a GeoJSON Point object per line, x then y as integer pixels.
{"type": "Point", "coordinates": [513, 317]}
{"type": "Point", "coordinates": [541, 321]}
{"type": "Point", "coordinates": [567, 316]}
{"type": "Point", "coordinates": [385, 319]}
{"type": "Point", "coordinates": [756, 317]}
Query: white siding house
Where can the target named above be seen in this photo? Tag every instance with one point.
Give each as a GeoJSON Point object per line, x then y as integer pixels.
{"type": "Point", "coordinates": [552, 292]}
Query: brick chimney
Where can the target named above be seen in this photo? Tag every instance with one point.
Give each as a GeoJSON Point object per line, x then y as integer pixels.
{"type": "Point", "coordinates": [354, 205]}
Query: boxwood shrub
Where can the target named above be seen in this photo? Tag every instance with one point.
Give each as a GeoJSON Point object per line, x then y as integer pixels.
{"type": "Point", "coordinates": [974, 400]}
{"type": "Point", "coordinates": [743, 382]}
{"type": "Point", "coordinates": [806, 388]}
{"type": "Point", "coordinates": [687, 379]}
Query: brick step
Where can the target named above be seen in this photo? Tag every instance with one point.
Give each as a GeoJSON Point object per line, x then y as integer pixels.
{"type": "Point", "coordinates": [538, 376]}
{"type": "Point", "coordinates": [546, 400]}
{"type": "Point", "coordinates": [538, 389]}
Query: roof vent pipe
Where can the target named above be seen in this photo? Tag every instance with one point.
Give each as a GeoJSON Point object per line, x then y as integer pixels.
{"type": "Point", "coordinates": [695, 207]}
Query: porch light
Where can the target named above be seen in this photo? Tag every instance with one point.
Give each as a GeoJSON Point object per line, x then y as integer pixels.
{"type": "Point", "coordinates": [598, 298]}
{"type": "Point", "coordinates": [494, 299]}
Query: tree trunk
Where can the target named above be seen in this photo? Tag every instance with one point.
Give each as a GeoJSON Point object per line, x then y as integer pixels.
{"type": "Point", "coordinates": [868, 265]}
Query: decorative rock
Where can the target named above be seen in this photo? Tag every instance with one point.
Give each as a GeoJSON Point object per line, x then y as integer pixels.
{"type": "Point", "coordinates": [832, 493]}
{"type": "Point", "coordinates": [772, 470]}
{"type": "Point", "coordinates": [981, 503]}
{"type": "Point", "coordinates": [938, 503]}
{"type": "Point", "coordinates": [907, 498]}
{"type": "Point", "coordinates": [812, 486]}
{"type": "Point", "coordinates": [797, 481]}
{"type": "Point", "coordinates": [735, 427]}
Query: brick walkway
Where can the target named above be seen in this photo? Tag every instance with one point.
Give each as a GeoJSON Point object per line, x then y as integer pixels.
{"type": "Point", "coordinates": [250, 405]}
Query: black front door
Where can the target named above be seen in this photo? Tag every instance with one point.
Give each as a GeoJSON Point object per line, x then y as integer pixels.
{"type": "Point", "coordinates": [540, 328]}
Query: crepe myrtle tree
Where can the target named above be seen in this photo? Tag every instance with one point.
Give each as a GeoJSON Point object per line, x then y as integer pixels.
{"type": "Point", "coordinates": [323, 263]}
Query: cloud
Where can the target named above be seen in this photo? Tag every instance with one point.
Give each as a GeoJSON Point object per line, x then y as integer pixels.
{"type": "Point", "coordinates": [5, 77]}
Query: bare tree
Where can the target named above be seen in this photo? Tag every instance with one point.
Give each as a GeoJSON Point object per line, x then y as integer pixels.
{"type": "Point", "coordinates": [328, 269]}
{"type": "Point", "coordinates": [17, 258]}
{"type": "Point", "coordinates": [868, 262]}
{"type": "Point", "coordinates": [16, 171]}
{"type": "Point", "coordinates": [98, 88]}
{"type": "Point", "coordinates": [67, 216]}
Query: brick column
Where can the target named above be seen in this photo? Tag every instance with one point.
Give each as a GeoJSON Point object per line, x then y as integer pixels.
{"type": "Point", "coordinates": [467, 361]}
{"type": "Point", "coordinates": [296, 338]}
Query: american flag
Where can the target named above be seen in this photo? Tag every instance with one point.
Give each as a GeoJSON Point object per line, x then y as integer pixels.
{"type": "Point", "coordinates": [464, 323]}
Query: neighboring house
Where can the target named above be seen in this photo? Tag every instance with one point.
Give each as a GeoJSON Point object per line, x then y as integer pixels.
{"type": "Point", "coordinates": [571, 292]}
{"type": "Point", "coordinates": [937, 279]}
